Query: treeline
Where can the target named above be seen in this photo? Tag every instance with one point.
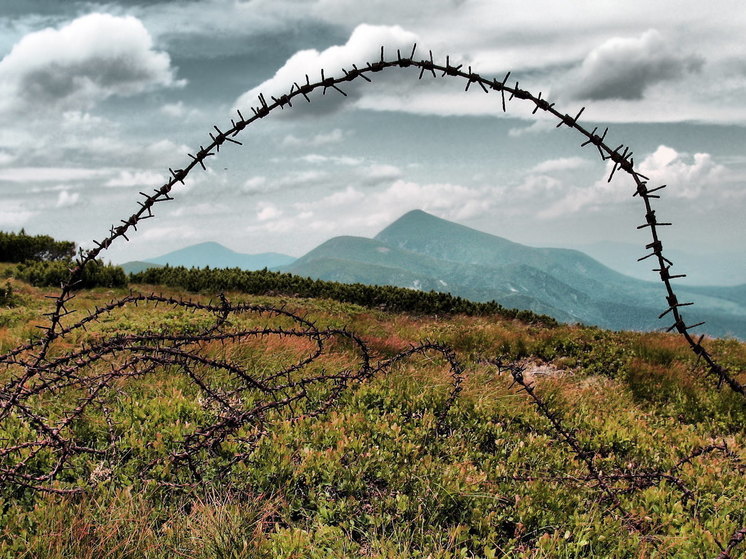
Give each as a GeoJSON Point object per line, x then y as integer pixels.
{"type": "Point", "coordinates": [264, 282]}
{"type": "Point", "coordinates": [56, 273]}
{"type": "Point", "coordinates": [19, 247]}
{"type": "Point", "coordinates": [43, 261]}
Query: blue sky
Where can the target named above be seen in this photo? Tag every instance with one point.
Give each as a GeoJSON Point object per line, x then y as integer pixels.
{"type": "Point", "coordinates": [98, 100]}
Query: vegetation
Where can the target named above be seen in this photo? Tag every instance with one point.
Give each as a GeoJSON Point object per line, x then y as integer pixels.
{"type": "Point", "coordinates": [55, 273]}
{"type": "Point", "coordinates": [263, 282]}
{"type": "Point", "coordinates": [43, 261]}
{"type": "Point", "coordinates": [19, 247]}
{"type": "Point", "coordinates": [397, 467]}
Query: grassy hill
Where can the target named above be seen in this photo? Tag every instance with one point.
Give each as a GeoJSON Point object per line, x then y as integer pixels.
{"type": "Point", "coordinates": [282, 427]}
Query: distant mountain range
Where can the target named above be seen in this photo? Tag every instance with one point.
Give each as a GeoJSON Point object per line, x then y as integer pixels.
{"type": "Point", "coordinates": [213, 255]}
{"type": "Point", "coordinates": [421, 251]}
{"type": "Point", "coordinates": [721, 268]}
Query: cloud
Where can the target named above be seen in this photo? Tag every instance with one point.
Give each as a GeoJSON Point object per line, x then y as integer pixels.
{"type": "Point", "coordinates": [74, 67]}
{"type": "Point", "coordinates": [352, 208]}
{"type": "Point", "coordinates": [324, 138]}
{"type": "Point", "coordinates": [624, 68]}
{"type": "Point", "coordinates": [377, 174]}
{"type": "Point", "coordinates": [45, 174]}
{"type": "Point", "coordinates": [14, 214]}
{"type": "Point", "coordinates": [66, 199]}
{"type": "Point", "coordinates": [291, 181]}
{"type": "Point", "coordinates": [363, 45]}
{"type": "Point", "coordinates": [6, 158]}
{"type": "Point", "coordinates": [537, 127]}
{"type": "Point", "coordinates": [266, 211]}
{"type": "Point", "coordinates": [688, 177]}
{"type": "Point", "coordinates": [561, 164]}
{"type": "Point", "coordinates": [317, 159]}
{"type": "Point", "coordinates": [136, 178]}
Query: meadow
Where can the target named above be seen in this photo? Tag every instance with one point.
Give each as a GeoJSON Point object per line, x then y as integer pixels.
{"type": "Point", "coordinates": [465, 435]}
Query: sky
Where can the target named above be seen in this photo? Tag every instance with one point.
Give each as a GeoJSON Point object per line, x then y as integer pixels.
{"type": "Point", "coordinates": [98, 100]}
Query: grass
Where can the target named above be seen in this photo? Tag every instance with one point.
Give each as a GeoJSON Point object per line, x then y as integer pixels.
{"type": "Point", "coordinates": [391, 470]}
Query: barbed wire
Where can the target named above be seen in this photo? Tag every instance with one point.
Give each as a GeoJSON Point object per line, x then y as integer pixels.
{"type": "Point", "coordinates": [92, 374]}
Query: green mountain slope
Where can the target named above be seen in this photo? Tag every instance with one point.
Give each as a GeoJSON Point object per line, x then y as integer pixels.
{"type": "Point", "coordinates": [421, 251]}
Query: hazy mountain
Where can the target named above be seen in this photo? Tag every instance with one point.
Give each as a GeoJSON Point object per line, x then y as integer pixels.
{"type": "Point", "coordinates": [137, 266]}
{"type": "Point", "coordinates": [421, 251]}
{"type": "Point", "coordinates": [214, 255]}
{"type": "Point", "coordinates": [716, 268]}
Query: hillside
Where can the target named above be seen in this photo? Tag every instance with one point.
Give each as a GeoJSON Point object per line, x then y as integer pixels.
{"type": "Point", "coordinates": [315, 428]}
{"type": "Point", "coordinates": [421, 251]}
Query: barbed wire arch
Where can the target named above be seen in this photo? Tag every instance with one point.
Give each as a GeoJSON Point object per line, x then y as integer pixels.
{"type": "Point", "coordinates": [621, 156]}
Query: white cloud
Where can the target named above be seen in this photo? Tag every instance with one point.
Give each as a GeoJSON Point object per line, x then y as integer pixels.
{"type": "Point", "coordinates": [689, 177]}
{"type": "Point", "coordinates": [266, 211]}
{"type": "Point", "coordinates": [315, 158]}
{"type": "Point", "coordinates": [45, 174]}
{"type": "Point", "coordinates": [136, 178]}
{"type": "Point", "coordinates": [363, 45]}
{"type": "Point", "coordinates": [66, 199]}
{"type": "Point", "coordinates": [537, 127]}
{"type": "Point", "coordinates": [180, 111]}
{"type": "Point", "coordinates": [323, 138]}
{"type": "Point", "coordinates": [14, 214]}
{"type": "Point", "coordinates": [561, 164]}
{"type": "Point", "coordinates": [76, 66]}
{"type": "Point", "coordinates": [256, 185]}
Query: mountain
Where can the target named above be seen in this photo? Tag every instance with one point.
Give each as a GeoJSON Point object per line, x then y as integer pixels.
{"type": "Point", "coordinates": [715, 268]}
{"type": "Point", "coordinates": [214, 255]}
{"type": "Point", "coordinates": [421, 251]}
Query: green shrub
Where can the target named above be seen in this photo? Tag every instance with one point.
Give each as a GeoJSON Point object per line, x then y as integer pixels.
{"type": "Point", "coordinates": [56, 273]}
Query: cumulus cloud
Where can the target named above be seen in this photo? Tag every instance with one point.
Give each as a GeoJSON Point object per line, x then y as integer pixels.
{"type": "Point", "coordinates": [624, 68]}
{"type": "Point", "coordinates": [687, 176]}
{"type": "Point", "coordinates": [363, 45]}
{"type": "Point", "coordinates": [88, 60]}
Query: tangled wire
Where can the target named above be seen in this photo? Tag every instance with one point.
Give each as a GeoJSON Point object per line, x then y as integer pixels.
{"type": "Point", "coordinates": [55, 404]}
